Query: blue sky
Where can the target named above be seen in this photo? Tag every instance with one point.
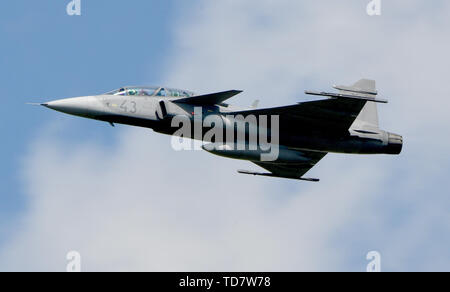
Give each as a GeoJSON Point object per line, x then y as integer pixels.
{"type": "Point", "coordinates": [68, 183]}
{"type": "Point", "coordinates": [46, 54]}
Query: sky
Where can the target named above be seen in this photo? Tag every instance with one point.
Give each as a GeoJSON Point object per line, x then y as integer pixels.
{"type": "Point", "coordinates": [126, 201]}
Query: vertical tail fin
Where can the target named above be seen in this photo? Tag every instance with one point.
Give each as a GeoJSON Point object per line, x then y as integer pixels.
{"type": "Point", "coordinates": [363, 86]}
{"type": "Point", "coordinates": [369, 114]}
{"type": "Point", "coordinates": [368, 117]}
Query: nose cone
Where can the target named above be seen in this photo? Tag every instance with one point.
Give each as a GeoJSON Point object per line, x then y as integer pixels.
{"type": "Point", "coordinates": [86, 106]}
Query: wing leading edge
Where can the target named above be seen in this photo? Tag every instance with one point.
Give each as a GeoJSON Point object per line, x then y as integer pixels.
{"type": "Point", "coordinates": [333, 115]}
{"type": "Point", "coordinates": [330, 115]}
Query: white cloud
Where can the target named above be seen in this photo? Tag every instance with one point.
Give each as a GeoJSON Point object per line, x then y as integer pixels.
{"type": "Point", "coordinates": [140, 206]}
{"type": "Point", "coordinates": [137, 205]}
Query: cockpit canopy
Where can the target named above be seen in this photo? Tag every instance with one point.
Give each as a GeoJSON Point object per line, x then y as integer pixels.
{"type": "Point", "coordinates": [150, 91]}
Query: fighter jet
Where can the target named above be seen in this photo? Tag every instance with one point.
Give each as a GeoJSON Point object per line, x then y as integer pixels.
{"type": "Point", "coordinates": [345, 121]}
